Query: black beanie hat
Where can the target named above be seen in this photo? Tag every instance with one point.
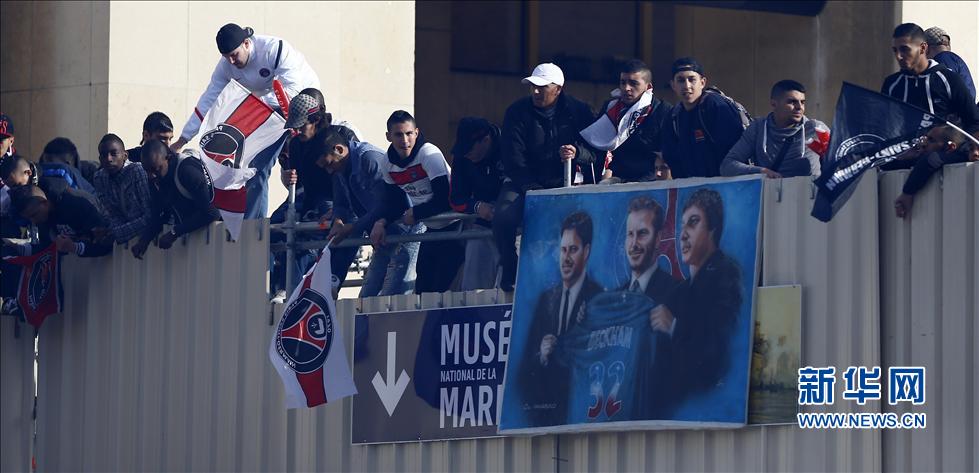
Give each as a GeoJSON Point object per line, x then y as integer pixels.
{"type": "Point", "coordinates": [231, 36]}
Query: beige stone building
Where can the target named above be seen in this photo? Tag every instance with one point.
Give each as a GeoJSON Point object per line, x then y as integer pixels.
{"type": "Point", "coordinates": [81, 69]}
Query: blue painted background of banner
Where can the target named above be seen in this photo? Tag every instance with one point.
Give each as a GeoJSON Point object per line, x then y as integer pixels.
{"type": "Point", "coordinates": [608, 266]}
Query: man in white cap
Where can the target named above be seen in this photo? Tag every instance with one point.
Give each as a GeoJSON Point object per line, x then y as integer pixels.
{"type": "Point", "coordinates": [254, 61]}
{"type": "Point", "coordinates": [539, 133]}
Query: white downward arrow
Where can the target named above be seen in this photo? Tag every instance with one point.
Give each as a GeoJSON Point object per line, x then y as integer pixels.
{"type": "Point", "coordinates": [390, 390]}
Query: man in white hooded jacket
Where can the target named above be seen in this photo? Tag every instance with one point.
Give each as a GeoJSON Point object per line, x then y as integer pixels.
{"type": "Point", "coordinates": [254, 61]}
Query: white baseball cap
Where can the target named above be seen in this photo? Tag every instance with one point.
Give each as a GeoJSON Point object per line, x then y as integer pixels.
{"type": "Point", "coordinates": [544, 74]}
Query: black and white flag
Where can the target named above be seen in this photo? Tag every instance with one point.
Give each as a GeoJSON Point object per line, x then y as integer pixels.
{"type": "Point", "coordinates": [869, 130]}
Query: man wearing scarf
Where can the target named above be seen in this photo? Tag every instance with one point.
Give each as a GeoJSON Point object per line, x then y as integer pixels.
{"type": "Point", "coordinates": [786, 143]}
{"type": "Point", "coordinates": [629, 126]}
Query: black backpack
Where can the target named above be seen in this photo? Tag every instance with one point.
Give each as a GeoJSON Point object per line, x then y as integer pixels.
{"type": "Point", "coordinates": [742, 112]}
{"type": "Point", "coordinates": [183, 157]}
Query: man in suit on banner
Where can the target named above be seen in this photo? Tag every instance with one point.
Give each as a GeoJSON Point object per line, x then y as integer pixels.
{"type": "Point", "coordinates": [545, 375]}
{"type": "Point", "coordinates": [644, 229]}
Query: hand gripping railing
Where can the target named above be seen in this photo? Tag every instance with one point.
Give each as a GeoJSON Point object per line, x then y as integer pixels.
{"type": "Point", "coordinates": [290, 227]}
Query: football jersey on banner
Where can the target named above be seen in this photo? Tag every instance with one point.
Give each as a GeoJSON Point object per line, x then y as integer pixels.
{"type": "Point", "coordinates": [604, 351]}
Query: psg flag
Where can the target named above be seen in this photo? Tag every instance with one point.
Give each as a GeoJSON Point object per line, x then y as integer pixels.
{"type": "Point", "coordinates": [239, 133]}
{"type": "Point", "coordinates": [869, 130]}
{"type": "Point", "coordinates": [307, 346]}
{"type": "Point", "coordinates": [39, 292]}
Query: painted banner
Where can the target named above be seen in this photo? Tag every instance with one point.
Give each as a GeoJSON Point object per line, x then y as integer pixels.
{"type": "Point", "coordinates": [429, 375]}
{"type": "Point", "coordinates": [776, 351]}
{"type": "Point", "coordinates": [633, 307]}
{"type": "Point", "coordinates": [307, 346]}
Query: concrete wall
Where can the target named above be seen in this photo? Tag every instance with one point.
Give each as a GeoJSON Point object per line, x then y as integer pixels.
{"type": "Point", "coordinates": [54, 73]}
{"type": "Point", "coordinates": [959, 19]}
{"type": "Point", "coordinates": [744, 53]}
{"type": "Point", "coordinates": [80, 69]}
{"type": "Point", "coordinates": [17, 401]}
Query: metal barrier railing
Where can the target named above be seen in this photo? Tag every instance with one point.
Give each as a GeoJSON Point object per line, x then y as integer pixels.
{"type": "Point", "coordinates": [291, 227]}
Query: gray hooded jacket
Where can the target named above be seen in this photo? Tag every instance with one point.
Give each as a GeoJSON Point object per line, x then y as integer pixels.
{"type": "Point", "coordinates": [762, 142]}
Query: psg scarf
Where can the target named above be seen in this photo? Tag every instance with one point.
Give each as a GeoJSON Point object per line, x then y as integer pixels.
{"type": "Point", "coordinates": [39, 292]}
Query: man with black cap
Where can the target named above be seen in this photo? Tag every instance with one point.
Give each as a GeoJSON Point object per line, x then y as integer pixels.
{"type": "Point", "coordinates": [156, 126]}
{"type": "Point", "coordinates": [477, 177]}
{"type": "Point", "coordinates": [254, 61]}
{"type": "Point", "coordinates": [705, 124]}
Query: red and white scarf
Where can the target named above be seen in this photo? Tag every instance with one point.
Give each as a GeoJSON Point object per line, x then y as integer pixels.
{"type": "Point", "coordinates": [617, 124]}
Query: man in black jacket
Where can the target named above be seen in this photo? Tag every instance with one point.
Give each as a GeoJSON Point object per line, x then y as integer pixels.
{"type": "Point", "coordinates": [314, 186]}
{"type": "Point", "coordinates": [629, 126]}
{"type": "Point", "coordinates": [70, 218]}
{"type": "Point", "coordinates": [942, 145]}
{"type": "Point", "coordinates": [182, 189]}
{"type": "Point", "coordinates": [539, 133]}
{"type": "Point", "coordinates": [477, 177]}
{"type": "Point", "coordinates": [927, 84]}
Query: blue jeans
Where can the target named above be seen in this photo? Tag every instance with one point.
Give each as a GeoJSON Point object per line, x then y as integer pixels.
{"type": "Point", "coordinates": [392, 267]}
{"type": "Point", "coordinates": [257, 200]}
{"type": "Point", "coordinates": [303, 260]}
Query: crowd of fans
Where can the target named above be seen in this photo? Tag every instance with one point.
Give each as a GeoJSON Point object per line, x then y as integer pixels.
{"type": "Point", "coordinates": [356, 189]}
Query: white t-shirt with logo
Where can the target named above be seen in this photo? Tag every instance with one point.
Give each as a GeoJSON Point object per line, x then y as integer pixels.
{"type": "Point", "coordinates": [415, 177]}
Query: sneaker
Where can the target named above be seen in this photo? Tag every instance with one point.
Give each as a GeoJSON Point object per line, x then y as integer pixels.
{"type": "Point", "coordinates": [279, 298]}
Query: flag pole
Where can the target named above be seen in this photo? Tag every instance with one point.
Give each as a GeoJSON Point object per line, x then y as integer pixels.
{"type": "Point", "coordinates": [283, 100]}
{"type": "Point", "coordinates": [568, 174]}
{"type": "Point", "coordinates": [967, 135]}
{"type": "Point", "coordinates": [291, 239]}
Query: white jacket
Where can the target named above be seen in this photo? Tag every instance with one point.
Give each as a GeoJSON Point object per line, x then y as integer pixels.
{"type": "Point", "coordinates": [293, 72]}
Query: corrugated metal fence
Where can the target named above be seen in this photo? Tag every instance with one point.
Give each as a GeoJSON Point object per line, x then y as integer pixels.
{"type": "Point", "coordinates": [16, 394]}
{"type": "Point", "coordinates": [167, 369]}
{"type": "Point", "coordinates": [929, 301]}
